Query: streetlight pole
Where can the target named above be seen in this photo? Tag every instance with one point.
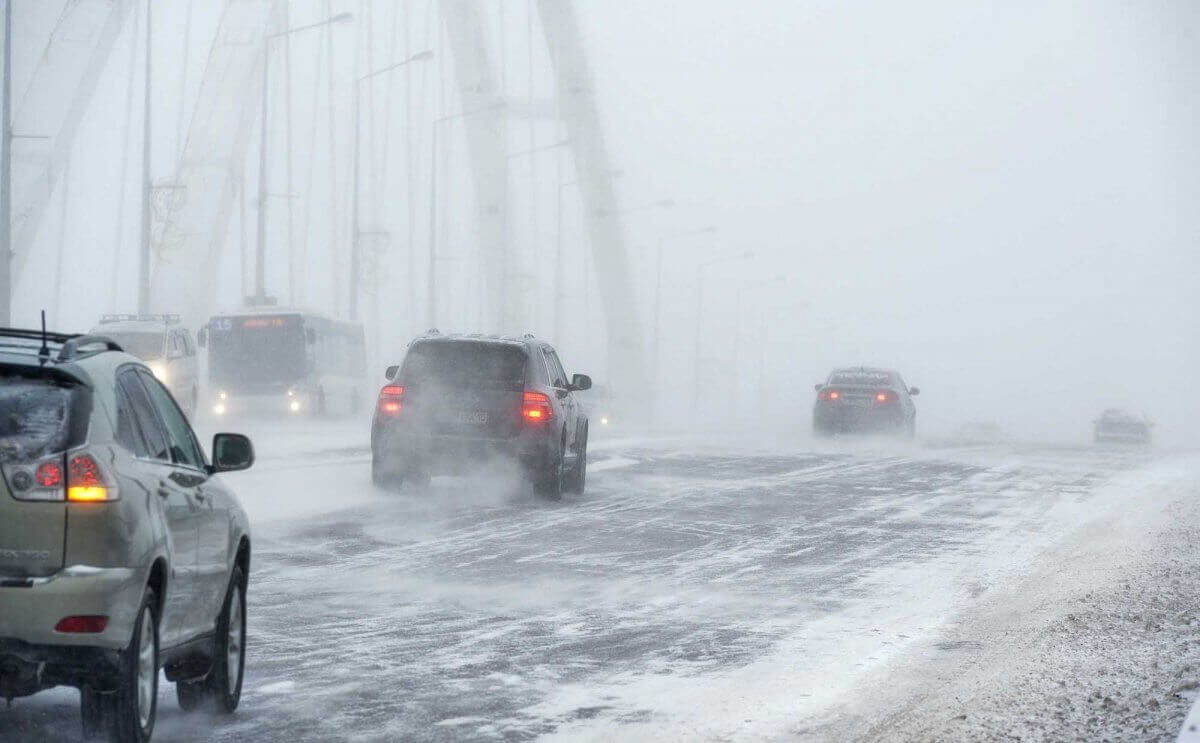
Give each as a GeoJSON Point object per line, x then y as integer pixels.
{"type": "Point", "coordinates": [143, 296]}
{"type": "Point", "coordinates": [260, 248]}
{"type": "Point", "coordinates": [6, 176]}
{"type": "Point", "coordinates": [700, 311]}
{"type": "Point", "coordinates": [431, 307]}
{"type": "Point", "coordinates": [355, 254]}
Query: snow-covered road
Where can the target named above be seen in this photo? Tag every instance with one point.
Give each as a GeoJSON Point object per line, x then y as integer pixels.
{"type": "Point", "coordinates": [697, 591]}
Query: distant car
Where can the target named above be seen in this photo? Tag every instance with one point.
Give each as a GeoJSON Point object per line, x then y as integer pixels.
{"type": "Point", "coordinates": [121, 553]}
{"type": "Point", "coordinates": [864, 400]}
{"type": "Point", "coordinates": [167, 348]}
{"type": "Point", "coordinates": [459, 400]}
{"type": "Point", "coordinates": [1115, 425]}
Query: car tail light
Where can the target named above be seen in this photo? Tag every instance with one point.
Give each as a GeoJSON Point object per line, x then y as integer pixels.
{"type": "Point", "coordinates": [84, 625]}
{"type": "Point", "coordinates": [39, 481]}
{"type": "Point", "coordinates": [86, 482]}
{"type": "Point", "coordinates": [883, 397]}
{"type": "Point", "coordinates": [391, 400]}
{"type": "Point", "coordinates": [536, 409]}
{"type": "Point", "coordinates": [829, 395]}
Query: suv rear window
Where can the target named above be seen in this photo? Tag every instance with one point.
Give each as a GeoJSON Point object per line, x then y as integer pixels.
{"type": "Point", "coordinates": [465, 364]}
{"type": "Point", "coordinates": [40, 416]}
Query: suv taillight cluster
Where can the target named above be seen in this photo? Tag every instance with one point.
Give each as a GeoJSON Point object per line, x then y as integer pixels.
{"type": "Point", "coordinates": [81, 480]}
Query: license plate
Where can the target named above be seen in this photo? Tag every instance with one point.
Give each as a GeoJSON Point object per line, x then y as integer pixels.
{"type": "Point", "coordinates": [473, 417]}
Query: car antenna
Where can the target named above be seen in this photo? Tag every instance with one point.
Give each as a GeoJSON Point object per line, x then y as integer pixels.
{"type": "Point", "coordinates": [44, 351]}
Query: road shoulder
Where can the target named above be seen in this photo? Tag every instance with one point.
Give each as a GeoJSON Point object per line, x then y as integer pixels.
{"type": "Point", "coordinates": [1100, 642]}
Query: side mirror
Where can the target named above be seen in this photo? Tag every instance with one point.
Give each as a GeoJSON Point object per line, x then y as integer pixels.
{"type": "Point", "coordinates": [914, 391]}
{"type": "Point", "coordinates": [202, 338]}
{"type": "Point", "coordinates": [581, 382]}
{"type": "Point", "coordinates": [818, 387]}
{"type": "Point", "coordinates": [231, 452]}
{"type": "Point", "coordinates": [391, 372]}
{"type": "Point", "coordinates": [310, 335]}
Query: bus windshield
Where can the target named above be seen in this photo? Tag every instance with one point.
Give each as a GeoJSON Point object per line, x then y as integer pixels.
{"type": "Point", "coordinates": [256, 351]}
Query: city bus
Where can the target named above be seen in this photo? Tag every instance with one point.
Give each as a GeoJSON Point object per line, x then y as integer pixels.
{"type": "Point", "coordinates": [284, 361]}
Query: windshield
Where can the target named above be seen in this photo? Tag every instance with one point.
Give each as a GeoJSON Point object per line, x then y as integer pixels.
{"type": "Point", "coordinates": [256, 351]}
{"type": "Point", "coordinates": [146, 346]}
{"type": "Point", "coordinates": [465, 364]}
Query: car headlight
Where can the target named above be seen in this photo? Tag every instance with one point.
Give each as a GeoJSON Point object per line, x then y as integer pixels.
{"type": "Point", "coordinates": [219, 408]}
{"type": "Point", "coordinates": [294, 406]}
{"type": "Point", "coordinates": [159, 371]}
{"type": "Point", "coordinates": [604, 420]}
{"type": "Point", "coordinates": [222, 395]}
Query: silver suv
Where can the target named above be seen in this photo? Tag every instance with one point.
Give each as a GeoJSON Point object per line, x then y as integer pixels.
{"type": "Point", "coordinates": [121, 551]}
{"type": "Point", "coordinates": [167, 348]}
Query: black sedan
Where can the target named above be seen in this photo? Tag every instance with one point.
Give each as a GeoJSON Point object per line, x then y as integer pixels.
{"type": "Point", "coordinates": [864, 400]}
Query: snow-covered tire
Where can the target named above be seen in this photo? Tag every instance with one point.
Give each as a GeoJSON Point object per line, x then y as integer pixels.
{"type": "Point", "coordinates": [131, 709]}
{"type": "Point", "coordinates": [577, 481]}
{"type": "Point", "coordinates": [383, 479]}
{"type": "Point", "coordinates": [549, 484]}
{"type": "Point", "coordinates": [221, 689]}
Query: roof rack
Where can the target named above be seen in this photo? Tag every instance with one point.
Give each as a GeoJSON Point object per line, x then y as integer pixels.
{"type": "Point", "coordinates": [72, 346]}
{"type": "Point", "coordinates": [83, 345]}
{"type": "Point", "coordinates": [117, 317]}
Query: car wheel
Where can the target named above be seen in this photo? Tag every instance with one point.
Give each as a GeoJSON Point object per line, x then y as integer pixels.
{"type": "Point", "coordinates": [578, 480]}
{"type": "Point", "coordinates": [131, 709]}
{"type": "Point", "coordinates": [382, 478]}
{"type": "Point", "coordinates": [225, 679]}
{"type": "Point", "coordinates": [91, 712]}
{"type": "Point", "coordinates": [550, 483]}
{"type": "Point", "coordinates": [221, 689]}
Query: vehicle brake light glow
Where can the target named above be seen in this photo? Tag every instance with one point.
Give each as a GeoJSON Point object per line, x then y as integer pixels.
{"type": "Point", "coordinates": [48, 475]}
{"type": "Point", "coordinates": [85, 483]}
{"type": "Point", "coordinates": [828, 395]}
{"type": "Point", "coordinates": [391, 400]}
{"type": "Point", "coordinates": [536, 408]}
{"type": "Point", "coordinates": [883, 397]}
{"type": "Point", "coordinates": [82, 625]}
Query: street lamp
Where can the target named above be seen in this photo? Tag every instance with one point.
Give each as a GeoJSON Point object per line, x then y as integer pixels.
{"type": "Point", "coordinates": [700, 309]}
{"type": "Point", "coordinates": [355, 255]}
{"type": "Point", "coordinates": [431, 309]}
{"type": "Point", "coordinates": [260, 248]}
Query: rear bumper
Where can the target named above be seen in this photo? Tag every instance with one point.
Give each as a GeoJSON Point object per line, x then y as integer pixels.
{"type": "Point", "coordinates": [844, 418]}
{"type": "Point", "coordinates": [27, 669]}
{"type": "Point", "coordinates": [31, 607]}
{"type": "Point", "coordinates": [399, 452]}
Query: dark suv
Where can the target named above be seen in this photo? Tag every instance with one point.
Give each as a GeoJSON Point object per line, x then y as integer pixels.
{"type": "Point", "coordinates": [864, 400]}
{"type": "Point", "coordinates": [121, 552]}
{"type": "Point", "coordinates": [458, 400]}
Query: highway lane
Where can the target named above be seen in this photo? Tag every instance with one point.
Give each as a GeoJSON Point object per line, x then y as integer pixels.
{"type": "Point", "coordinates": [705, 589]}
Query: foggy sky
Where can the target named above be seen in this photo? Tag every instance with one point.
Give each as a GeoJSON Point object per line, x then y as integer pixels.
{"type": "Point", "coordinates": [996, 198]}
